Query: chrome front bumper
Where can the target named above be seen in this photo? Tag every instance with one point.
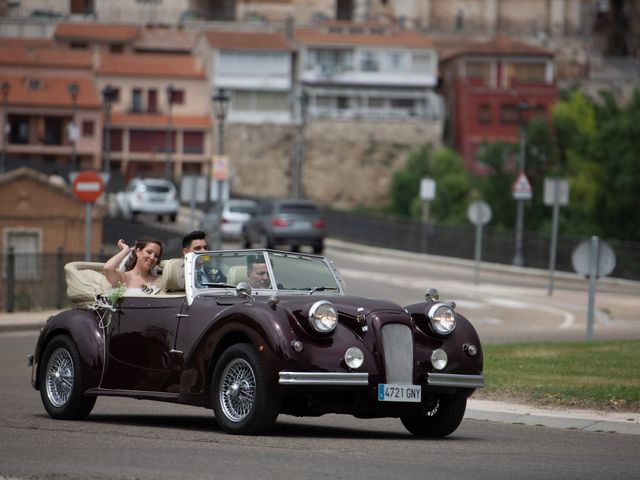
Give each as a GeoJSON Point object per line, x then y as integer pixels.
{"type": "Point", "coordinates": [323, 378]}
{"type": "Point", "coordinates": [453, 380]}
{"type": "Point", "coordinates": [362, 379]}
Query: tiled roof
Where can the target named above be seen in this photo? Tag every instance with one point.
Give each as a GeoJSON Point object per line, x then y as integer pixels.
{"type": "Point", "coordinates": [52, 92]}
{"type": "Point", "coordinates": [150, 65]}
{"type": "Point", "coordinates": [150, 120]}
{"type": "Point", "coordinates": [496, 46]}
{"type": "Point", "coordinates": [44, 57]}
{"type": "Point", "coordinates": [96, 32]}
{"type": "Point", "coordinates": [317, 36]}
{"type": "Point", "coordinates": [248, 41]}
{"type": "Point", "coordinates": [165, 39]}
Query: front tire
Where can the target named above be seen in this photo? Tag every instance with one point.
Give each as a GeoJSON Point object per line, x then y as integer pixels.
{"type": "Point", "coordinates": [440, 421]}
{"type": "Point", "coordinates": [60, 381]}
{"type": "Point", "coordinates": [241, 401]}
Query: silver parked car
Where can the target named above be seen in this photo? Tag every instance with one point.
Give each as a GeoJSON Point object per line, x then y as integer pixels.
{"type": "Point", "coordinates": [154, 196]}
{"type": "Point", "coordinates": [235, 213]}
{"type": "Point", "coordinates": [286, 222]}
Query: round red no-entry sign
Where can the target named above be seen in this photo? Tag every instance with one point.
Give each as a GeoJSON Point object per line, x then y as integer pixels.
{"type": "Point", "coordinates": [88, 186]}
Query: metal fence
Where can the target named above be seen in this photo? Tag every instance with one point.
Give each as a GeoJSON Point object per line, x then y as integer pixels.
{"type": "Point", "coordinates": [497, 245]}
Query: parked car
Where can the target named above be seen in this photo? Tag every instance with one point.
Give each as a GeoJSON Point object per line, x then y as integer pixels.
{"type": "Point", "coordinates": [297, 345]}
{"type": "Point", "coordinates": [235, 213]}
{"type": "Point", "coordinates": [285, 222]}
{"type": "Point", "coordinates": [155, 196]}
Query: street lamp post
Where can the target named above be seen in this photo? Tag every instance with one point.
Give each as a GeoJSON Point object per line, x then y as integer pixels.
{"type": "Point", "coordinates": [168, 142]}
{"type": "Point", "coordinates": [518, 257]}
{"type": "Point", "coordinates": [5, 87]}
{"type": "Point", "coordinates": [297, 170]}
{"type": "Point", "coordinates": [220, 105]}
{"type": "Point", "coordinates": [108, 93]}
{"type": "Point", "coordinates": [73, 89]}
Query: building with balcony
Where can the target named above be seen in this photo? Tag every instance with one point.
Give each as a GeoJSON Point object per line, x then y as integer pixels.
{"type": "Point", "coordinates": [256, 69]}
{"type": "Point", "coordinates": [485, 84]}
{"type": "Point", "coordinates": [159, 114]}
{"type": "Point", "coordinates": [349, 70]}
{"type": "Point", "coordinates": [51, 107]}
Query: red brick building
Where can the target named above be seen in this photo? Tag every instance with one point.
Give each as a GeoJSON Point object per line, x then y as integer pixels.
{"type": "Point", "coordinates": [490, 87]}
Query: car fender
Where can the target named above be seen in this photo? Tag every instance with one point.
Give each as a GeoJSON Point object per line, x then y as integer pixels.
{"type": "Point", "coordinates": [82, 326]}
{"type": "Point", "coordinates": [235, 325]}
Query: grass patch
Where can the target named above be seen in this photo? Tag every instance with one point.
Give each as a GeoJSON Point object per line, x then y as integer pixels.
{"type": "Point", "coordinates": [597, 375]}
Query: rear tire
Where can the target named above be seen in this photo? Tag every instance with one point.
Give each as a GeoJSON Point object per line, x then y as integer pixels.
{"type": "Point", "coordinates": [440, 421]}
{"type": "Point", "coordinates": [318, 248]}
{"type": "Point", "coordinates": [265, 241]}
{"type": "Point", "coordinates": [242, 403]}
{"type": "Point", "coordinates": [60, 381]}
{"type": "Point", "coordinates": [244, 241]}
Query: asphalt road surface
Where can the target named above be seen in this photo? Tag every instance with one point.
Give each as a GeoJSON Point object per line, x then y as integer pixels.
{"type": "Point", "coordinates": [131, 439]}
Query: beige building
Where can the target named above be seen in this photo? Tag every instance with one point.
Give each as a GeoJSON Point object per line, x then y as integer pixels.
{"type": "Point", "coordinates": [39, 214]}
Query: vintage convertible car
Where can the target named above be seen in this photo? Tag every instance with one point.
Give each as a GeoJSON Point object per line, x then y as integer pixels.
{"type": "Point", "coordinates": [296, 344]}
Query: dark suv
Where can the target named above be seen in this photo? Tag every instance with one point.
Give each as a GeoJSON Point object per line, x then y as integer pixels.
{"type": "Point", "coordinates": [287, 222]}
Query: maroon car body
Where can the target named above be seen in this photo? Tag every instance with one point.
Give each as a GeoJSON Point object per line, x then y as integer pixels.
{"type": "Point", "coordinates": [301, 346]}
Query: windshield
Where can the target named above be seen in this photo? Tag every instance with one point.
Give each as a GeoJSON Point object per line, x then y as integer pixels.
{"type": "Point", "coordinates": [300, 272]}
{"type": "Point", "coordinates": [264, 271]}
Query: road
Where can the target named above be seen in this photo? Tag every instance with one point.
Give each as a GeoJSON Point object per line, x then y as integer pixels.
{"type": "Point", "coordinates": [131, 439]}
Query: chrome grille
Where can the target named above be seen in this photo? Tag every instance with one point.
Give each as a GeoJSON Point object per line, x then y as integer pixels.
{"type": "Point", "coordinates": [397, 344]}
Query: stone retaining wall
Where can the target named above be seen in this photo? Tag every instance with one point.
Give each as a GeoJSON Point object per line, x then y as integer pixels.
{"type": "Point", "coordinates": [346, 163]}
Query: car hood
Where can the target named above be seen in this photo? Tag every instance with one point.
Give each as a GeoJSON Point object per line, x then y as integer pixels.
{"type": "Point", "coordinates": [346, 305]}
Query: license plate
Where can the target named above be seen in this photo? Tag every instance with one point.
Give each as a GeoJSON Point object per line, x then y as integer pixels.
{"type": "Point", "coordinates": [390, 392]}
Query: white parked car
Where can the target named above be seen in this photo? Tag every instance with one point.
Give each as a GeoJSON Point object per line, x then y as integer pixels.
{"type": "Point", "coordinates": [235, 213]}
{"type": "Point", "coordinates": [152, 196]}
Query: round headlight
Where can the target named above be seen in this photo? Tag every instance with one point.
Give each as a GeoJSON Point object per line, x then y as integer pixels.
{"type": "Point", "coordinates": [353, 357]}
{"type": "Point", "coordinates": [323, 316]}
{"type": "Point", "coordinates": [442, 318]}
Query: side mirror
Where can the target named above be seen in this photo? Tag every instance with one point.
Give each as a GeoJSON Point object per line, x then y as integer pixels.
{"type": "Point", "coordinates": [243, 289]}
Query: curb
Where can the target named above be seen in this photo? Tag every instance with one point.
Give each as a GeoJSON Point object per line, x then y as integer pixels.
{"type": "Point", "coordinates": [586, 420]}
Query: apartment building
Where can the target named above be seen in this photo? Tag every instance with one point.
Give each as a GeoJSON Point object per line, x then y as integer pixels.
{"type": "Point", "coordinates": [255, 68]}
{"type": "Point", "coordinates": [349, 70]}
{"type": "Point", "coordinates": [159, 113]}
{"type": "Point", "coordinates": [51, 108]}
{"type": "Point", "coordinates": [490, 88]}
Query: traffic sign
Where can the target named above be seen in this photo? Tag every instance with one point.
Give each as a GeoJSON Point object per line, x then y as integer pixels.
{"type": "Point", "coordinates": [605, 258]}
{"type": "Point", "coordinates": [556, 190]}
{"type": "Point", "coordinates": [88, 186]}
{"type": "Point", "coordinates": [221, 167]}
{"type": "Point", "coordinates": [522, 188]}
{"type": "Point", "coordinates": [427, 189]}
{"type": "Point", "coordinates": [479, 213]}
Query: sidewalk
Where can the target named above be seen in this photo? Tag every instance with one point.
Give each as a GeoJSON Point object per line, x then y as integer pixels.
{"type": "Point", "coordinates": [489, 410]}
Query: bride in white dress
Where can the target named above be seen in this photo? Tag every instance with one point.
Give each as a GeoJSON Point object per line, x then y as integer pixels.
{"type": "Point", "coordinates": [138, 268]}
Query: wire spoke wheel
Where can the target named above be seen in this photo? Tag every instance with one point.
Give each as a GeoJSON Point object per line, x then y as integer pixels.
{"type": "Point", "coordinates": [241, 400]}
{"type": "Point", "coordinates": [60, 375]}
{"type": "Point", "coordinates": [60, 381]}
{"type": "Point", "coordinates": [237, 390]}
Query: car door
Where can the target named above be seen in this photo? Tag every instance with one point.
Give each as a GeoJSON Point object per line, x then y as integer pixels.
{"type": "Point", "coordinates": [141, 343]}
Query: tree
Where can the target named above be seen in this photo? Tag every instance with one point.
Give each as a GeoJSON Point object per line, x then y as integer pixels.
{"type": "Point", "coordinates": [452, 185]}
